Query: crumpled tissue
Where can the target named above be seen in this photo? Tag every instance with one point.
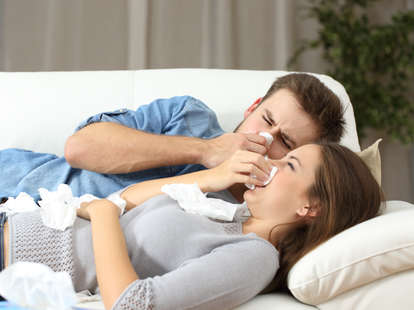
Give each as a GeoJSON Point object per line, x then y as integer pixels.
{"type": "Point", "coordinates": [22, 203]}
{"type": "Point", "coordinates": [58, 209]}
{"type": "Point", "coordinates": [272, 174]}
{"type": "Point", "coordinates": [267, 136]}
{"type": "Point", "coordinates": [269, 140]}
{"type": "Point", "coordinates": [36, 286]}
{"type": "Point", "coordinates": [192, 200]}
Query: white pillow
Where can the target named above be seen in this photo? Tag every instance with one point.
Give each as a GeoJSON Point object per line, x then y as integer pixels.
{"type": "Point", "coordinates": [362, 254]}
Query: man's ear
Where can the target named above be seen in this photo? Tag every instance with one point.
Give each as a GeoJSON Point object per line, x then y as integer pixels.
{"type": "Point", "coordinates": [252, 107]}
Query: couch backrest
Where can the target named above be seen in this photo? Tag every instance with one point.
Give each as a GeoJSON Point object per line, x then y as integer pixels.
{"type": "Point", "coordinates": [41, 109]}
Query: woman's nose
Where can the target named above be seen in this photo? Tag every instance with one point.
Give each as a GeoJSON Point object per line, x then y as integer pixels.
{"type": "Point", "coordinates": [280, 163]}
{"type": "Point", "coordinates": [277, 163]}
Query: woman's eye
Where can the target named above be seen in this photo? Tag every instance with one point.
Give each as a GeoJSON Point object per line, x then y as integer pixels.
{"type": "Point", "coordinates": [291, 166]}
{"type": "Point", "coordinates": [267, 121]}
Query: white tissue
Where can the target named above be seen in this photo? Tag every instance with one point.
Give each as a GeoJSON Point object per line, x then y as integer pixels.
{"type": "Point", "coordinates": [192, 200]}
{"type": "Point", "coordinates": [272, 174]}
{"type": "Point", "coordinates": [36, 286]}
{"type": "Point", "coordinates": [267, 136]}
{"type": "Point", "coordinates": [269, 140]}
{"type": "Point", "coordinates": [58, 209]}
{"type": "Point", "coordinates": [117, 200]}
{"type": "Point", "coordinates": [22, 203]}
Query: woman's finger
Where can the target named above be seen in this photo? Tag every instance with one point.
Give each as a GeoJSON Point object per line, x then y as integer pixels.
{"type": "Point", "coordinates": [250, 170]}
{"type": "Point", "coordinates": [249, 179]}
{"type": "Point", "coordinates": [256, 159]}
{"type": "Point", "coordinates": [81, 212]}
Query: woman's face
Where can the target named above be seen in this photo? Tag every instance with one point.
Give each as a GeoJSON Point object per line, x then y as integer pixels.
{"type": "Point", "coordinates": [285, 197]}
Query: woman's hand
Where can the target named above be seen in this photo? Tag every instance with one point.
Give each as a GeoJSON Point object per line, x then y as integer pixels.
{"type": "Point", "coordinates": [239, 168]}
{"type": "Point", "coordinates": [86, 208]}
{"type": "Point", "coordinates": [243, 167]}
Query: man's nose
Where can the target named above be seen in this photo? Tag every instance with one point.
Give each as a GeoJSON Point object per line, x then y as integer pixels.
{"type": "Point", "coordinates": [275, 131]}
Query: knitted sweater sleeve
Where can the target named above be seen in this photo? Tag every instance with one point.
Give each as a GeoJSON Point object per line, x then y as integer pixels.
{"type": "Point", "coordinates": [228, 276]}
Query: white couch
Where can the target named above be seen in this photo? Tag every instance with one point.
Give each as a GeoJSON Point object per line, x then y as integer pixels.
{"type": "Point", "coordinates": [41, 109]}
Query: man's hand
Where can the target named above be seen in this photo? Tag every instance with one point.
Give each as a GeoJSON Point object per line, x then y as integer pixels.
{"type": "Point", "coordinates": [222, 148]}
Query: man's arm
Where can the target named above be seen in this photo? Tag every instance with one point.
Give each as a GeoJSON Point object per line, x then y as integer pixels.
{"type": "Point", "coordinates": [113, 148]}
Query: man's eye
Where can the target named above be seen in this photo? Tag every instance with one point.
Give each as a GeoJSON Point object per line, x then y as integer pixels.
{"type": "Point", "coordinates": [286, 144]}
{"type": "Point", "coordinates": [267, 121]}
{"type": "Point", "coordinates": [291, 166]}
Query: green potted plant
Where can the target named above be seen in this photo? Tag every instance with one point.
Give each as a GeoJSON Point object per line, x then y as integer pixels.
{"type": "Point", "coordinates": [374, 62]}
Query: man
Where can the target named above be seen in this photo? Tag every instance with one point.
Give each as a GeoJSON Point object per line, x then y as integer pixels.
{"type": "Point", "coordinates": [110, 151]}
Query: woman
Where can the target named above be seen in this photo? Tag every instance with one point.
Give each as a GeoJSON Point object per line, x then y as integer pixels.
{"type": "Point", "coordinates": [156, 256]}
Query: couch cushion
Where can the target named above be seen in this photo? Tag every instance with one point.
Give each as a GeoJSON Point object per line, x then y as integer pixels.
{"type": "Point", "coordinates": [261, 302]}
{"type": "Point", "coordinates": [274, 301]}
{"type": "Point", "coordinates": [397, 290]}
{"type": "Point", "coordinates": [41, 109]}
{"type": "Point", "coordinates": [229, 92]}
{"type": "Point", "coordinates": [372, 158]}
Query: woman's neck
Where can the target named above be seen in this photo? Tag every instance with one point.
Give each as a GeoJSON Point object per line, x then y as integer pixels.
{"type": "Point", "coordinates": [253, 225]}
{"type": "Point", "coordinates": [263, 229]}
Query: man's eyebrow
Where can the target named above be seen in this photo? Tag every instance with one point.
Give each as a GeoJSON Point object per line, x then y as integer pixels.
{"type": "Point", "coordinates": [297, 159]}
{"type": "Point", "coordinates": [270, 116]}
{"type": "Point", "coordinates": [282, 133]}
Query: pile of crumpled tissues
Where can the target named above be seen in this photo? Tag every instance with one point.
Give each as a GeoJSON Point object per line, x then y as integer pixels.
{"type": "Point", "coordinates": [57, 209]}
{"type": "Point", "coordinates": [36, 286]}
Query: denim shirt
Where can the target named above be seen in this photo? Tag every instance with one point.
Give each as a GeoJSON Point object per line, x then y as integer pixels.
{"type": "Point", "coordinates": [26, 171]}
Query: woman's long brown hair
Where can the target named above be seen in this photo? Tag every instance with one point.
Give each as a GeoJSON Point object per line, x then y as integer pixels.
{"type": "Point", "coordinates": [345, 193]}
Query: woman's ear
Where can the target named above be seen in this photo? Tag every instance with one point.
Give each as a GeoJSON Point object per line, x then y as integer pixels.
{"type": "Point", "coordinates": [308, 210]}
{"type": "Point", "coordinates": [252, 107]}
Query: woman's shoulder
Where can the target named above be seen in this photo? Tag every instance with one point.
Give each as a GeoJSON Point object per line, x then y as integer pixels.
{"type": "Point", "coordinates": [261, 247]}
{"type": "Point", "coordinates": [253, 252]}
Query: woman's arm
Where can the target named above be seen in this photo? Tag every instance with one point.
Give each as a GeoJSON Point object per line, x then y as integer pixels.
{"type": "Point", "coordinates": [238, 169]}
{"type": "Point", "coordinates": [113, 266]}
{"type": "Point", "coordinates": [217, 280]}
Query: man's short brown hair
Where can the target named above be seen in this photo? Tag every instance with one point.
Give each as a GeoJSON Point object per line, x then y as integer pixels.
{"type": "Point", "coordinates": [321, 104]}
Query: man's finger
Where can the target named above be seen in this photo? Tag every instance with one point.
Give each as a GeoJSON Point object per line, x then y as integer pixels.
{"type": "Point", "coordinates": [256, 148]}
{"type": "Point", "coordinates": [257, 144]}
{"type": "Point", "coordinates": [256, 138]}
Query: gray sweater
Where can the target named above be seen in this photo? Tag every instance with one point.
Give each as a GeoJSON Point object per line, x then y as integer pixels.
{"type": "Point", "coordinates": [183, 261]}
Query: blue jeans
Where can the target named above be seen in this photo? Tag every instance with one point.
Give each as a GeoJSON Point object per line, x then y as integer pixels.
{"type": "Point", "coordinates": [3, 219]}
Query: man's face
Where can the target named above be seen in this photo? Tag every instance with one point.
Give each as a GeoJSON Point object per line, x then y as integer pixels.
{"type": "Point", "coordinates": [283, 117]}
